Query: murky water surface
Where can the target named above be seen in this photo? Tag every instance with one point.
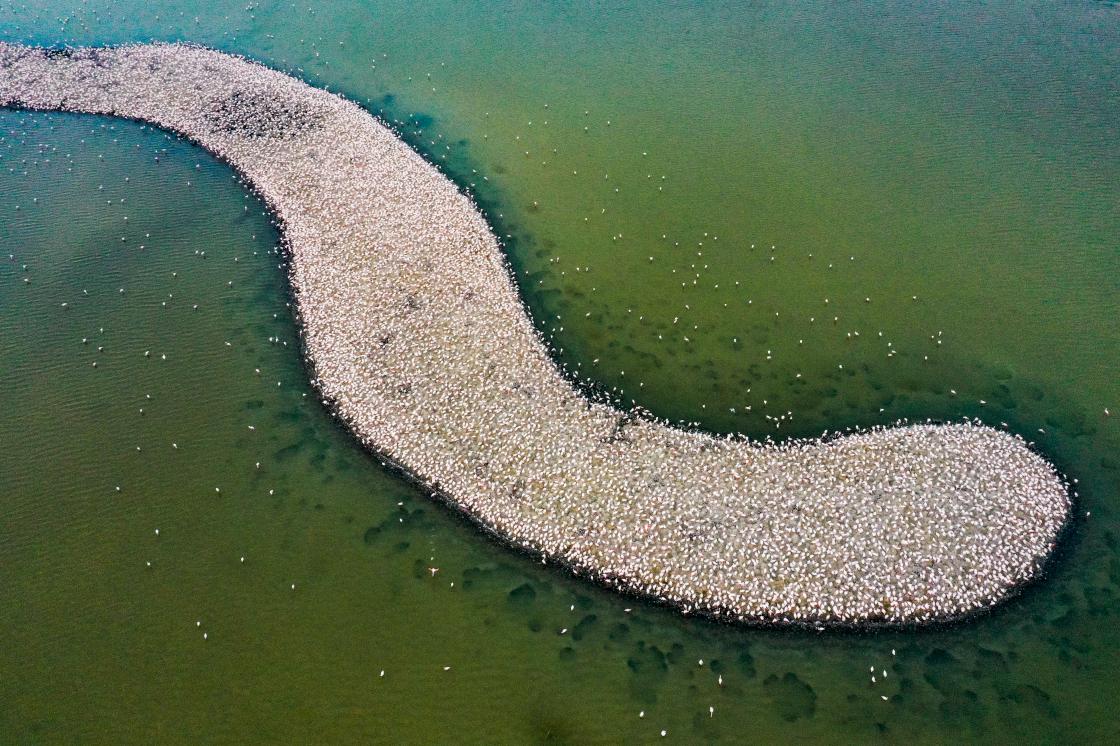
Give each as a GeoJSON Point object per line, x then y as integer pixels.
{"type": "Point", "coordinates": [749, 216]}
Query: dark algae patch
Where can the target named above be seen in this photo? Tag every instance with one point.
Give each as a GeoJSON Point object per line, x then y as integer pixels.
{"type": "Point", "coordinates": [791, 697]}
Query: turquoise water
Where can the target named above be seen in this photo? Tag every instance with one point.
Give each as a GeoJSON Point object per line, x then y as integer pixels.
{"type": "Point", "coordinates": [965, 155]}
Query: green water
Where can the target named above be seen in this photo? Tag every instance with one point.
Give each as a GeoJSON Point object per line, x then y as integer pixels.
{"type": "Point", "coordinates": [967, 155]}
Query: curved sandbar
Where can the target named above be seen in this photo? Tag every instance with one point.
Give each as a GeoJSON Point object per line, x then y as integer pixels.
{"type": "Point", "coordinates": [418, 337]}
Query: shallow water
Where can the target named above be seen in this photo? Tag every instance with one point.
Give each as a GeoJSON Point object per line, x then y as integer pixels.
{"type": "Point", "coordinates": [967, 156]}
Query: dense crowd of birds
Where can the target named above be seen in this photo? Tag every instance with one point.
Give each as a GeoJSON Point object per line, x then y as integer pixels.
{"type": "Point", "coordinates": [419, 341]}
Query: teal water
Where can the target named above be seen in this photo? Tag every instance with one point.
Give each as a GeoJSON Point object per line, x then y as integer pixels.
{"type": "Point", "coordinates": [965, 155]}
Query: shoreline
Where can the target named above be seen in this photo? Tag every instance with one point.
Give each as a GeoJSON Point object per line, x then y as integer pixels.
{"type": "Point", "coordinates": [512, 500]}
